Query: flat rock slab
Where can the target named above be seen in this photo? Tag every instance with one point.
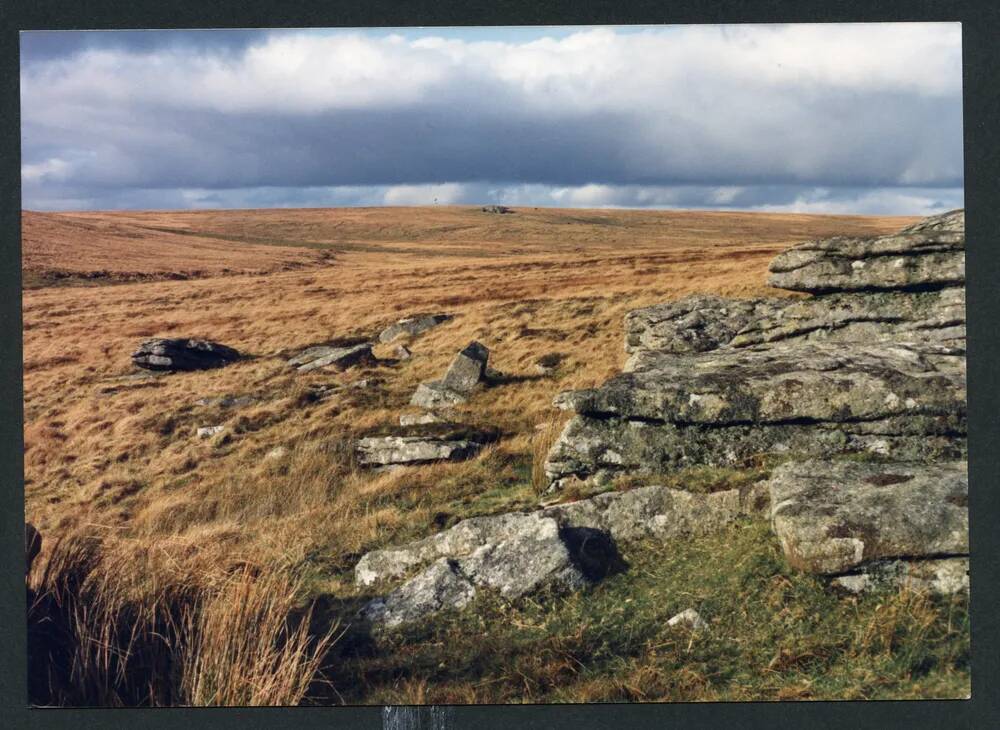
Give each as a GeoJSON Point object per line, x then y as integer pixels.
{"type": "Point", "coordinates": [592, 447]}
{"type": "Point", "coordinates": [228, 401]}
{"type": "Point", "coordinates": [701, 323]}
{"type": "Point", "coordinates": [893, 316]}
{"type": "Point", "coordinates": [383, 451]}
{"type": "Point", "coordinates": [340, 357]}
{"type": "Point", "coordinates": [781, 383]}
{"type": "Point", "coordinates": [834, 516]}
{"type": "Point", "coordinates": [183, 354]}
{"type": "Point", "coordinates": [930, 254]}
{"type": "Point", "coordinates": [418, 419]}
{"type": "Point", "coordinates": [412, 326]}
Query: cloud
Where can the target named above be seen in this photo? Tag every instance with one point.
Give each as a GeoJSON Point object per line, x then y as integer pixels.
{"type": "Point", "coordinates": [663, 116]}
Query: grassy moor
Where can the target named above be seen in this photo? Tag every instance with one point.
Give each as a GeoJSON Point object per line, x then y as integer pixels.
{"type": "Point", "coordinates": [179, 569]}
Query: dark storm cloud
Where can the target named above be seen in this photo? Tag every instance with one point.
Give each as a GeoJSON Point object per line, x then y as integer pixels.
{"type": "Point", "coordinates": [45, 45]}
{"type": "Point", "coordinates": [742, 118]}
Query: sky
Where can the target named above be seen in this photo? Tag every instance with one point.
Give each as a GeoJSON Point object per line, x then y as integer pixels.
{"type": "Point", "coordinates": [845, 118]}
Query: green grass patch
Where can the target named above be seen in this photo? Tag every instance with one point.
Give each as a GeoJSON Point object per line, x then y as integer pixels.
{"type": "Point", "coordinates": [773, 634]}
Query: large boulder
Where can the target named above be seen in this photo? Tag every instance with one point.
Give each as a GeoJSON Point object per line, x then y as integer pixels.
{"type": "Point", "coordinates": [183, 354]}
{"type": "Point", "coordinates": [930, 254]}
{"type": "Point", "coordinates": [340, 357]}
{"type": "Point", "coordinates": [878, 366]}
{"type": "Point", "coordinates": [833, 517]}
{"type": "Point", "coordinates": [782, 383]}
{"type": "Point", "coordinates": [530, 555]}
{"type": "Point", "coordinates": [728, 406]}
{"type": "Point", "coordinates": [936, 316]}
{"type": "Point", "coordinates": [565, 546]}
{"type": "Point", "coordinates": [412, 326]}
{"type": "Point", "coordinates": [600, 447]}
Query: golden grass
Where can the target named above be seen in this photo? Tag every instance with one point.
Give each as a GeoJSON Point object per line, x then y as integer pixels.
{"type": "Point", "coordinates": [107, 453]}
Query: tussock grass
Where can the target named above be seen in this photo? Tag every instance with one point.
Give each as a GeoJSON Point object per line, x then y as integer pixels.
{"type": "Point", "coordinates": [113, 624]}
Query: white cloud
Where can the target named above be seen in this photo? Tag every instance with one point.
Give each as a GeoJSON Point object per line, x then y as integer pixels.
{"type": "Point", "coordinates": [445, 194]}
{"type": "Point", "coordinates": [598, 117]}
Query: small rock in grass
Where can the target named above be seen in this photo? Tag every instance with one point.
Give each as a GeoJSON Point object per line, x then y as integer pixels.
{"type": "Point", "coordinates": [205, 432]}
{"type": "Point", "coordinates": [277, 452]}
{"type": "Point", "coordinates": [688, 617]}
{"type": "Point", "coordinates": [416, 419]}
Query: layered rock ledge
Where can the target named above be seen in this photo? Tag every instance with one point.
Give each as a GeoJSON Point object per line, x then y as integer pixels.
{"type": "Point", "coordinates": [875, 363]}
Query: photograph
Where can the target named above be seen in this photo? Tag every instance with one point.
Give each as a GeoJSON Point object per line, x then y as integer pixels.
{"type": "Point", "coordinates": [494, 365]}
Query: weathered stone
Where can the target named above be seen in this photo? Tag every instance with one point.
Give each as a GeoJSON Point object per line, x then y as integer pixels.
{"type": "Point", "coordinates": [498, 209]}
{"type": "Point", "coordinates": [883, 317]}
{"type": "Point", "coordinates": [703, 323]}
{"type": "Point", "coordinates": [944, 576]}
{"type": "Point", "coordinates": [697, 323]}
{"type": "Point", "coordinates": [645, 512]}
{"type": "Point", "coordinates": [402, 352]}
{"type": "Point", "coordinates": [930, 254]}
{"type": "Point", "coordinates": [589, 446]}
{"type": "Point", "coordinates": [780, 383]}
{"type": "Point", "coordinates": [531, 555]}
{"type": "Point", "coordinates": [438, 588]}
{"type": "Point", "coordinates": [467, 369]}
{"type": "Point", "coordinates": [385, 451]}
{"type": "Point", "coordinates": [462, 539]}
{"type": "Point", "coordinates": [183, 354]}
{"type": "Point", "coordinates": [434, 394]}
{"type": "Point", "coordinates": [690, 618]}
{"type": "Point", "coordinates": [340, 357]}
{"type": "Point", "coordinates": [417, 419]}
{"type": "Point", "coordinates": [205, 432]}
{"type": "Point", "coordinates": [412, 326]}
{"type": "Point", "coordinates": [32, 545]}
{"type": "Point", "coordinates": [834, 516]}
{"type": "Point", "coordinates": [654, 512]}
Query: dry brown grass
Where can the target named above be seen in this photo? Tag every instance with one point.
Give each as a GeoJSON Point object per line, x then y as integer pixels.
{"type": "Point", "coordinates": [103, 452]}
{"type": "Point", "coordinates": [113, 623]}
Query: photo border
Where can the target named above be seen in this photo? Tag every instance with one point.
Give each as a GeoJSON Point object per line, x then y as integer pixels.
{"type": "Point", "coordinates": [981, 107]}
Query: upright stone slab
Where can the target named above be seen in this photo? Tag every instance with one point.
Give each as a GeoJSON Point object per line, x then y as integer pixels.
{"type": "Point", "coordinates": [467, 369]}
{"type": "Point", "coordinates": [465, 373]}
